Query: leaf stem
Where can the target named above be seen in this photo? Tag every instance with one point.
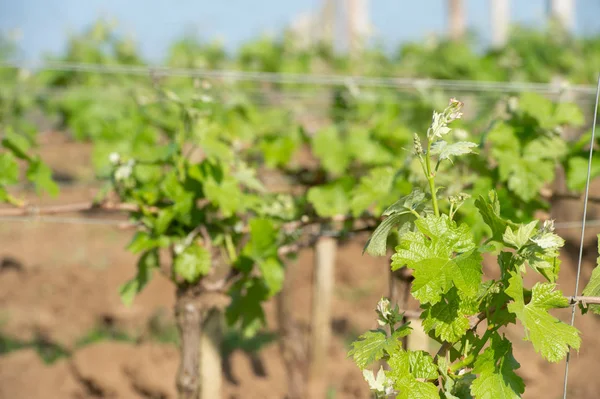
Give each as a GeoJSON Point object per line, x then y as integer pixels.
{"type": "Point", "coordinates": [415, 213]}
{"type": "Point", "coordinates": [431, 179]}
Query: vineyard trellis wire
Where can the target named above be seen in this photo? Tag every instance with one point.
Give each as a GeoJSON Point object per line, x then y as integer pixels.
{"type": "Point", "coordinates": [583, 225]}
{"type": "Point", "coordinates": [314, 79]}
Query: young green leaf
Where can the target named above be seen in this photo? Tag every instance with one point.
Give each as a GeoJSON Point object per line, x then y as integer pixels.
{"type": "Point", "coordinates": [489, 208]}
{"type": "Point", "coordinates": [593, 286]}
{"type": "Point", "coordinates": [375, 344]}
{"type": "Point", "coordinates": [400, 214]}
{"type": "Point", "coordinates": [495, 369]}
{"type": "Point", "coordinates": [449, 318]}
{"type": "Point", "coordinates": [193, 263]}
{"type": "Point", "coordinates": [446, 150]}
{"type": "Point", "coordinates": [273, 272]}
{"type": "Point", "coordinates": [148, 261]}
{"type": "Point", "coordinates": [550, 336]}
{"type": "Point", "coordinates": [41, 175]}
{"type": "Point", "coordinates": [331, 150]}
{"type": "Point", "coordinates": [521, 236]}
{"type": "Point", "coordinates": [442, 256]}
{"type": "Point", "coordinates": [411, 372]}
{"type": "Point", "coordinates": [17, 144]}
{"type": "Point", "coordinates": [333, 198]}
{"type": "Point", "coordinates": [9, 169]}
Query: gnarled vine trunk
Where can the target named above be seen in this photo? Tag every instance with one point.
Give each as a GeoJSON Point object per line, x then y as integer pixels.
{"type": "Point", "coordinates": [199, 320]}
{"type": "Point", "coordinates": [291, 343]}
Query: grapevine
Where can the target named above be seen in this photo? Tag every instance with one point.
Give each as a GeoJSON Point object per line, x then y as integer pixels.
{"type": "Point", "coordinates": [465, 313]}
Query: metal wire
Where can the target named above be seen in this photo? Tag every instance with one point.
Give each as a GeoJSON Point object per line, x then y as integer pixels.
{"type": "Point", "coordinates": [124, 222]}
{"type": "Point", "coordinates": [583, 226]}
{"type": "Point", "coordinates": [577, 224]}
{"type": "Point", "coordinates": [315, 79]}
{"type": "Point", "coordinates": [67, 220]}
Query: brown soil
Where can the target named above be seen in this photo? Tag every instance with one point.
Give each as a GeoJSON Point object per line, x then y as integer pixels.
{"type": "Point", "coordinates": [60, 281]}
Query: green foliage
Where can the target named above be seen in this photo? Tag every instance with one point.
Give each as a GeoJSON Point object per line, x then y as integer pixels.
{"type": "Point", "coordinates": [16, 149]}
{"type": "Point", "coordinates": [446, 263]}
{"type": "Point", "coordinates": [593, 286]}
{"type": "Point", "coordinates": [495, 371]}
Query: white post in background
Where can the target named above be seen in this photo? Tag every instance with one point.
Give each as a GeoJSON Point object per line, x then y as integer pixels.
{"type": "Point", "coordinates": [564, 12]}
{"type": "Point", "coordinates": [500, 21]}
{"type": "Point", "coordinates": [359, 24]}
{"type": "Point", "coordinates": [327, 19]}
{"type": "Point", "coordinates": [457, 17]}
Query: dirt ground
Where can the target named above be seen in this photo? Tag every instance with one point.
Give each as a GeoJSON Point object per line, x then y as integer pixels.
{"type": "Point", "coordinates": [59, 288]}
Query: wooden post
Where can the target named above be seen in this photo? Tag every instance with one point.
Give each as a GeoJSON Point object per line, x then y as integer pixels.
{"type": "Point", "coordinates": [320, 335]}
{"type": "Point", "coordinates": [211, 337]}
{"type": "Point", "coordinates": [500, 21]}
{"type": "Point", "coordinates": [456, 19]}
{"type": "Point", "coordinates": [564, 12]}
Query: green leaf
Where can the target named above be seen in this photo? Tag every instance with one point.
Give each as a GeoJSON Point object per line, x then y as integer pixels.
{"type": "Point", "coordinates": [503, 139]}
{"type": "Point", "coordinates": [41, 175]}
{"type": "Point", "coordinates": [442, 256]}
{"type": "Point", "coordinates": [541, 251]}
{"type": "Point", "coordinates": [331, 199]}
{"type": "Point", "coordinates": [279, 150]}
{"type": "Point", "coordinates": [526, 170]}
{"type": "Point", "coordinates": [148, 261]}
{"type": "Point", "coordinates": [399, 215]}
{"type": "Point", "coordinates": [521, 236]}
{"type": "Point", "coordinates": [163, 220]}
{"type": "Point", "coordinates": [226, 195]}
{"type": "Point", "coordinates": [577, 172]}
{"type": "Point", "coordinates": [593, 286]}
{"type": "Point", "coordinates": [495, 369]}
{"type": "Point", "coordinates": [193, 263]}
{"type": "Point", "coordinates": [371, 188]}
{"type": "Point", "coordinates": [538, 107]}
{"type": "Point", "coordinates": [544, 147]}
{"type": "Point", "coordinates": [568, 114]}
{"type": "Point", "coordinates": [141, 242]}
{"type": "Point", "coordinates": [449, 317]}
{"type": "Point", "coordinates": [525, 176]}
{"type": "Point", "coordinates": [273, 272]}
{"type": "Point", "coordinates": [413, 201]}
{"type": "Point", "coordinates": [329, 148]}
{"type": "Point", "coordinates": [365, 148]}
{"type": "Point", "coordinates": [375, 344]}
{"type": "Point", "coordinates": [489, 208]}
{"type": "Point", "coordinates": [446, 150]}
{"type": "Point", "coordinates": [9, 169]}
{"type": "Point", "coordinates": [247, 177]}
{"type": "Point", "coordinates": [263, 239]}
{"type": "Point", "coordinates": [4, 196]}
{"type": "Point", "coordinates": [245, 308]}
{"type": "Point", "coordinates": [411, 372]}
{"type": "Point", "coordinates": [17, 144]}
{"type": "Point", "coordinates": [377, 243]}
{"type": "Point", "coordinates": [550, 336]}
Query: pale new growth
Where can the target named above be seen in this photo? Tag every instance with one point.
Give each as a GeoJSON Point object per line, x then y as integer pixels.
{"type": "Point", "coordinates": [380, 383]}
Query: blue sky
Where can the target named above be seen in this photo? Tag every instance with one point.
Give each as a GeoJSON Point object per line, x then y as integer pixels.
{"type": "Point", "coordinates": [45, 24]}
